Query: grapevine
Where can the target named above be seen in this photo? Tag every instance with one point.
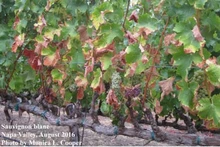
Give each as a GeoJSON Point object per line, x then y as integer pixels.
{"type": "Point", "coordinates": [134, 56]}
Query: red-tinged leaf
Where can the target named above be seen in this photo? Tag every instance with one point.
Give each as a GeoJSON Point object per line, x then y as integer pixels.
{"type": "Point", "coordinates": [170, 39]}
{"type": "Point", "coordinates": [108, 48]}
{"type": "Point", "coordinates": [33, 59]}
{"type": "Point", "coordinates": [132, 69]}
{"type": "Point", "coordinates": [158, 108]}
{"type": "Point", "coordinates": [145, 32]}
{"type": "Point", "coordinates": [81, 81]}
{"type": "Point", "coordinates": [119, 59]}
{"type": "Point", "coordinates": [40, 24]}
{"type": "Point", "coordinates": [47, 8]}
{"type": "Point", "coordinates": [82, 30]}
{"type": "Point", "coordinates": [212, 60]}
{"type": "Point", "coordinates": [17, 20]}
{"type": "Point", "coordinates": [144, 59]}
{"type": "Point", "coordinates": [131, 38]}
{"type": "Point", "coordinates": [101, 88]}
{"type": "Point", "coordinates": [18, 41]}
{"type": "Point", "coordinates": [89, 68]}
{"type": "Point", "coordinates": [80, 93]}
{"type": "Point", "coordinates": [112, 99]}
{"type": "Point", "coordinates": [134, 16]}
{"type": "Point", "coordinates": [62, 92]}
{"type": "Point", "coordinates": [166, 86]}
{"type": "Point", "coordinates": [40, 45]}
{"type": "Point", "coordinates": [52, 60]}
{"type": "Point", "coordinates": [197, 34]}
{"type": "Point", "coordinates": [188, 51]}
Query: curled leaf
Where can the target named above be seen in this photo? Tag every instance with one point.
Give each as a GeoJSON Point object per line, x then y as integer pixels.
{"type": "Point", "coordinates": [134, 16]}
{"type": "Point", "coordinates": [112, 99]}
{"type": "Point", "coordinates": [166, 86]}
{"type": "Point", "coordinates": [197, 34]}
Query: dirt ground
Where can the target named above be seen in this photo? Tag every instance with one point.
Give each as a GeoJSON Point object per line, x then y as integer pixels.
{"type": "Point", "coordinates": [56, 135]}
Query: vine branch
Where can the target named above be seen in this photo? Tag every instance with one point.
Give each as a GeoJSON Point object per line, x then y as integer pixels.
{"type": "Point", "coordinates": [13, 70]}
{"type": "Point", "coordinates": [126, 14]}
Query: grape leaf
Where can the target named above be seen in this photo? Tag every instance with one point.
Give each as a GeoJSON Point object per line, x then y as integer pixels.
{"type": "Point", "coordinates": [146, 21]}
{"type": "Point", "coordinates": [99, 12]}
{"type": "Point", "coordinates": [213, 73]}
{"type": "Point", "coordinates": [187, 92]}
{"type": "Point", "coordinates": [97, 78]}
{"type": "Point", "coordinates": [210, 109]}
{"type": "Point", "coordinates": [199, 4]}
{"type": "Point", "coordinates": [133, 53]}
{"type": "Point", "coordinates": [183, 62]}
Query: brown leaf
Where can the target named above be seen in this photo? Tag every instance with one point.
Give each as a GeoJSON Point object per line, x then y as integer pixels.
{"type": "Point", "coordinates": [40, 24]}
{"type": "Point", "coordinates": [52, 60]}
{"type": "Point", "coordinates": [81, 81]}
{"type": "Point", "coordinates": [119, 59]}
{"type": "Point", "coordinates": [211, 60]}
{"type": "Point", "coordinates": [112, 100]}
{"type": "Point", "coordinates": [158, 108]}
{"type": "Point", "coordinates": [131, 38]}
{"type": "Point", "coordinates": [170, 39]}
{"type": "Point", "coordinates": [145, 32]}
{"type": "Point", "coordinates": [144, 59]}
{"type": "Point", "coordinates": [101, 87]}
{"type": "Point", "coordinates": [132, 69]}
{"type": "Point", "coordinates": [17, 20]}
{"type": "Point", "coordinates": [166, 86]}
{"type": "Point", "coordinates": [197, 34]}
{"type": "Point", "coordinates": [108, 48]}
{"type": "Point", "coordinates": [82, 30]}
{"type": "Point", "coordinates": [18, 41]}
{"type": "Point", "coordinates": [134, 16]}
{"type": "Point", "coordinates": [80, 93]}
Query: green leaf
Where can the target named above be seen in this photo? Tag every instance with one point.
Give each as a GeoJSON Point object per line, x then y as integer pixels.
{"type": "Point", "coordinates": [97, 78]}
{"type": "Point", "coordinates": [213, 73]}
{"type": "Point", "coordinates": [210, 109]}
{"type": "Point", "coordinates": [105, 108]}
{"type": "Point", "coordinates": [78, 60]}
{"type": "Point", "coordinates": [99, 12]}
{"type": "Point", "coordinates": [183, 62]}
{"type": "Point", "coordinates": [185, 35]}
{"type": "Point", "coordinates": [199, 4]}
{"type": "Point", "coordinates": [133, 53]}
{"type": "Point", "coordinates": [111, 31]}
{"type": "Point", "coordinates": [56, 74]}
{"type": "Point", "coordinates": [106, 61]}
{"type": "Point", "coordinates": [68, 96]}
{"type": "Point", "coordinates": [48, 51]}
{"type": "Point", "coordinates": [187, 93]}
{"type": "Point", "coordinates": [2, 81]}
{"type": "Point", "coordinates": [146, 21]}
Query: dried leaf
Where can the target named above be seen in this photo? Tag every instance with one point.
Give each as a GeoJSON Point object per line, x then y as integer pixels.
{"type": "Point", "coordinates": [131, 38]}
{"type": "Point", "coordinates": [33, 59]}
{"type": "Point", "coordinates": [101, 87]}
{"type": "Point", "coordinates": [40, 24]}
{"type": "Point", "coordinates": [158, 108]}
{"type": "Point", "coordinates": [134, 16]}
{"type": "Point", "coordinates": [112, 100]}
{"type": "Point", "coordinates": [145, 32]}
{"type": "Point", "coordinates": [80, 93]}
{"type": "Point", "coordinates": [81, 81]}
{"type": "Point", "coordinates": [17, 20]}
{"type": "Point", "coordinates": [166, 86]}
{"type": "Point", "coordinates": [18, 41]}
{"type": "Point", "coordinates": [52, 60]}
{"type": "Point", "coordinates": [82, 30]}
{"type": "Point", "coordinates": [197, 34]}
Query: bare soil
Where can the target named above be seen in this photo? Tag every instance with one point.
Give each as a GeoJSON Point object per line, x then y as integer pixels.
{"type": "Point", "coordinates": [57, 135]}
